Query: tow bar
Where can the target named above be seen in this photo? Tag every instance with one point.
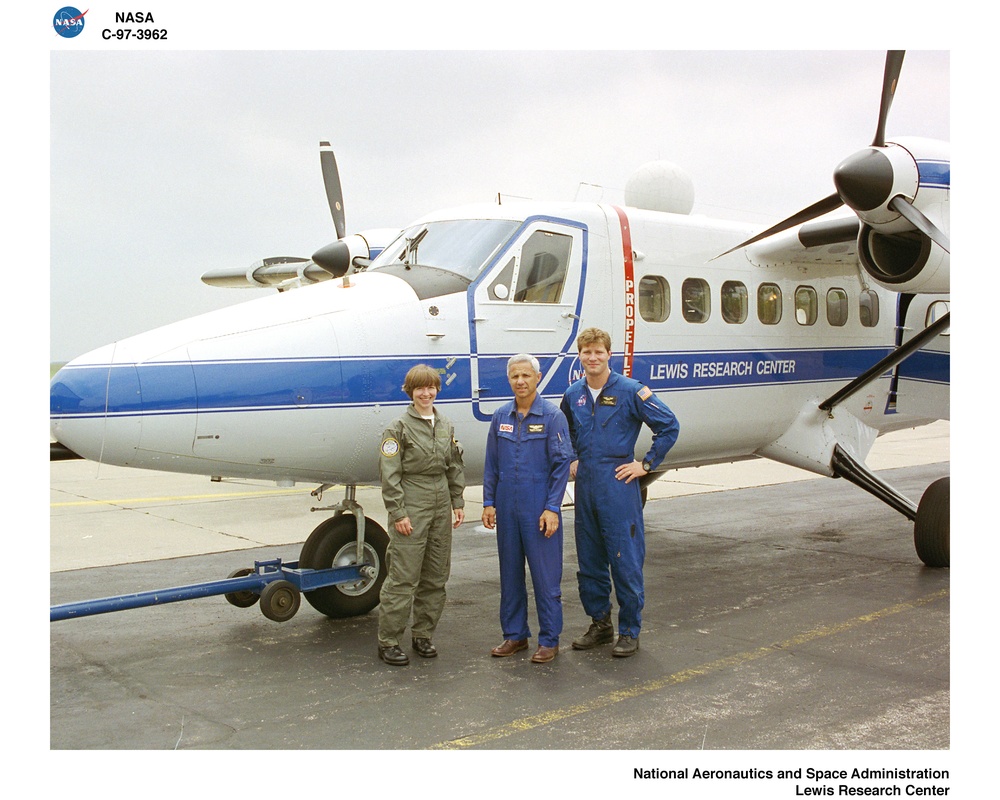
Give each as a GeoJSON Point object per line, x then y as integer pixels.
{"type": "Point", "coordinates": [277, 586]}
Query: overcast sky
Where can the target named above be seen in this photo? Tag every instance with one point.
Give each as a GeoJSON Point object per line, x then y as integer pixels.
{"type": "Point", "coordinates": [167, 164]}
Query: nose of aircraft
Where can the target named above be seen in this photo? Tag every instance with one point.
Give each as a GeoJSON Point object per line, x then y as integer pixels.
{"type": "Point", "coordinates": [94, 405]}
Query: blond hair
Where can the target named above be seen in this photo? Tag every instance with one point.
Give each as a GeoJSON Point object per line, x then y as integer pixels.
{"type": "Point", "coordinates": [590, 336]}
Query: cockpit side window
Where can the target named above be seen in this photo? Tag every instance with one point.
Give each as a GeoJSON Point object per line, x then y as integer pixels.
{"type": "Point", "coordinates": [542, 266]}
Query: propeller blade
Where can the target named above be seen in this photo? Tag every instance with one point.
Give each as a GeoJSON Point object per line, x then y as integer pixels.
{"type": "Point", "coordinates": [893, 65]}
{"type": "Point", "coordinates": [824, 206]}
{"type": "Point", "coordinates": [919, 221]}
{"type": "Point", "coordinates": [334, 194]}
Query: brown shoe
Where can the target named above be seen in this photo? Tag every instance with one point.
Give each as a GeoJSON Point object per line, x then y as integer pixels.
{"type": "Point", "coordinates": [509, 647]}
{"type": "Point", "coordinates": [545, 654]}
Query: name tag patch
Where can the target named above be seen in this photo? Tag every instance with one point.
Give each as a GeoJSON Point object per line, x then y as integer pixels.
{"type": "Point", "coordinates": [537, 428]}
{"type": "Point", "coordinates": [609, 401]}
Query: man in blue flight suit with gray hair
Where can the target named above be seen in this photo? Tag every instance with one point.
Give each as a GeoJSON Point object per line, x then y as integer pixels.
{"type": "Point", "coordinates": [606, 411]}
{"type": "Point", "coordinates": [527, 467]}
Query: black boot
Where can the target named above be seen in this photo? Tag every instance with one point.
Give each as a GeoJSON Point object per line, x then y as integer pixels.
{"type": "Point", "coordinates": [601, 631]}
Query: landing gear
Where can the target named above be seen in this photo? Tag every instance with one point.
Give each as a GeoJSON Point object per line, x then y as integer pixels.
{"type": "Point", "coordinates": [932, 527]}
{"type": "Point", "coordinates": [334, 543]}
{"type": "Point", "coordinates": [931, 517]}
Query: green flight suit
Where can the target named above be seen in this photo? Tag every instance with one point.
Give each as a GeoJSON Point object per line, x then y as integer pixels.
{"type": "Point", "coordinates": [423, 479]}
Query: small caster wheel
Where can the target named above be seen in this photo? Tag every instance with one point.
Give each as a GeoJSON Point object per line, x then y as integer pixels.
{"type": "Point", "coordinates": [279, 600]}
{"type": "Point", "coordinates": [245, 598]}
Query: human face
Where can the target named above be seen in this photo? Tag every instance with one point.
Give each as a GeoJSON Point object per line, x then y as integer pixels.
{"type": "Point", "coordinates": [524, 382]}
{"type": "Point", "coordinates": [594, 360]}
{"type": "Point", "coordinates": [423, 400]}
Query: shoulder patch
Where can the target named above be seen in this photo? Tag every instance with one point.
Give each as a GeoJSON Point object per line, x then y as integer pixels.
{"type": "Point", "coordinates": [390, 447]}
{"type": "Point", "coordinates": [645, 393]}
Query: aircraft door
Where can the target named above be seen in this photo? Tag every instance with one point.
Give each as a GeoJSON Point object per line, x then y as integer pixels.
{"type": "Point", "coordinates": [923, 381]}
{"type": "Point", "coordinates": [528, 301]}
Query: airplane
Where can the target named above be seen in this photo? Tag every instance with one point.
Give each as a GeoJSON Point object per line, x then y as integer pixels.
{"type": "Point", "coordinates": [801, 343]}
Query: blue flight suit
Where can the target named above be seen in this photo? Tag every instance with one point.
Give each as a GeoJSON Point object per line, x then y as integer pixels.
{"type": "Point", "coordinates": [527, 468]}
{"type": "Point", "coordinates": [610, 537]}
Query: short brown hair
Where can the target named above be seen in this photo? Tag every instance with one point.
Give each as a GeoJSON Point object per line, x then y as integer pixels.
{"type": "Point", "coordinates": [419, 376]}
{"type": "Point", "coordinates": [590, 336]}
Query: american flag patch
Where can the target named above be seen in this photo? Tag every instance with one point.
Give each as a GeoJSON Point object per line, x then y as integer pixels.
{"type": "Point", "coordinates": [645, 393]}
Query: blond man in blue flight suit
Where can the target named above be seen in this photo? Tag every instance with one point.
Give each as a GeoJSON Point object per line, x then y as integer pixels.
{"type": "Point", "coordinates": [527, 467]}
{"type": "Point", "coordinates": [423, 482]}
{"type": "Point", "coordinates": [606, 412]}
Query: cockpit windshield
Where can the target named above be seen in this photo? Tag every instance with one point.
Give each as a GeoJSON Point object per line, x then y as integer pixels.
{"type": "Point", "coordinates": [461, 246]}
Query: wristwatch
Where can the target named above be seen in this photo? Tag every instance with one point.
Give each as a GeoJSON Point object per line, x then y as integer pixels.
{"type": "Point", "coordinates": [647, 466]}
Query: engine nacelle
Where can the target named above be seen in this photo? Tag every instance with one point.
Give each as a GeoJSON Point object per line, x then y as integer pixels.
{"type": "Point", "coordinates": [904, 262]}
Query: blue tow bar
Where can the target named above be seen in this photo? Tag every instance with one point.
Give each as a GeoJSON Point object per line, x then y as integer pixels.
{"type": "Point", "coordinates": [275, 585]}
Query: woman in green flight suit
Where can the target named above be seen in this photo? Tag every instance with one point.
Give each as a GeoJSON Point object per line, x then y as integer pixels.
{"type": "Point", "coordinates": [422, 484]}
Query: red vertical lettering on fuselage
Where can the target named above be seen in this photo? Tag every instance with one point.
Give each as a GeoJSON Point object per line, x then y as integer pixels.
{"type": "Point", "coordinates": [629, 292]}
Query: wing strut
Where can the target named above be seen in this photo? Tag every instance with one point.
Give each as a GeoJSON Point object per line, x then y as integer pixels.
{"type": "Point", "coordinates": [895, 357]}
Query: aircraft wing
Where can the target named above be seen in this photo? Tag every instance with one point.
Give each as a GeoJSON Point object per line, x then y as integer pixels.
{"type": "Point", "coordinates": [829, 243]}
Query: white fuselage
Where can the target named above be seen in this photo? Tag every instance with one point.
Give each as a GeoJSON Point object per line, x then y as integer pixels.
{"type": "Point", "coordinates": [299, 385]}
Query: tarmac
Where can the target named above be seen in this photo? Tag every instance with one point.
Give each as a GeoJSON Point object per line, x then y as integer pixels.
{"type": "Point", "coordinates": [785, 614]}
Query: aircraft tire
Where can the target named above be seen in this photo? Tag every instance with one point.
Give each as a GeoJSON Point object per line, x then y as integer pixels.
{"type": "Point", "coordinates": [334, 543]}
{"type": "Point", "coordinates": [280, 600]}
{"type": "Point", "coordinates": [245, 598]}
{"type": "Point", "coordinates": [932, 527]}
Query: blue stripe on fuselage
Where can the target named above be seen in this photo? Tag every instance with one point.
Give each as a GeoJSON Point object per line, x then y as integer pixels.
{"type": "Point", "coordinates": [342, 383]}
{"type": "Point", "coordinates": [934, 174]}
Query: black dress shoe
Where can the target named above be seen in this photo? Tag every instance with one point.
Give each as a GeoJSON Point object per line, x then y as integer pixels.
{"type": "Point", "coordinates": [424, 648]}
{"type": "Point", "coordinates": [393, 655]}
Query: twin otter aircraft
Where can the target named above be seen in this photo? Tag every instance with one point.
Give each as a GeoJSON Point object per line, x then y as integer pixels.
{"type": "Point", "coordinates": [800, 344]}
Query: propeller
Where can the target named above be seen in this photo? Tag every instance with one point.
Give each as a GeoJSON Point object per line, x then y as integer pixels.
{"type": "Point", "coordinates": [335, 257]}
{"type": "Point", "coordinates": [873, 178]}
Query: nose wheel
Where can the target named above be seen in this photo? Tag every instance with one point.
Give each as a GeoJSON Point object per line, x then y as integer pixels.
{"type": "Point", "coordinates": [334, 543]}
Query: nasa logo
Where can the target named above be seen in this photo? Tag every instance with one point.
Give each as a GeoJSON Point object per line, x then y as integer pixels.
{"type": "Point", "coordinates": [575, 371]}
{"type": "Point", "coordinates": [68, 21]}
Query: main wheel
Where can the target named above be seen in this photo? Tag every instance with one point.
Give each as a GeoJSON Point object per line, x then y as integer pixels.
{"type": "Point", "coordinates": [932, 527]}
{"type": "Point", "coordinates": [334, 544]}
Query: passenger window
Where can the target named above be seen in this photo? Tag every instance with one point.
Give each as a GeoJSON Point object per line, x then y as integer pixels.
{"type": "Point", "coordinates": [542, 269]}
{"type": "Point", "coordinates": [806, 305]}
{"type": "Point", "coordinates": [696, 300]}
{"type": "Point", "coordinates": [836, 307]}
{"type": "Point", "coordinates": [654, 298]}
{"type": "Point", "coordinates": [868, 308]}
{"type": "Point", "coordinates": [769, 303]}
{"type": "Point", "coordinates": [735, 302]}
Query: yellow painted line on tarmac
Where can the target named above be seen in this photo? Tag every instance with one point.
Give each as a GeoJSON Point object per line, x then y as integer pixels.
{"type": "Point", "coordinates": [176, 498]}
{"type": "Point", "coordinates": [557, 715]}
